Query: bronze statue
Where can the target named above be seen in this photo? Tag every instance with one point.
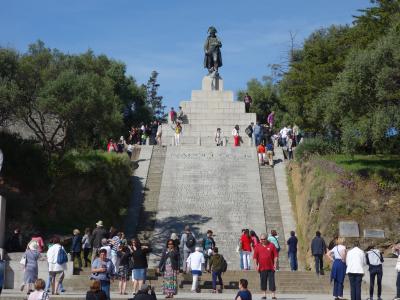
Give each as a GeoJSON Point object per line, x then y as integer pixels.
{"type": "Point", "coordinates": [212, 46]}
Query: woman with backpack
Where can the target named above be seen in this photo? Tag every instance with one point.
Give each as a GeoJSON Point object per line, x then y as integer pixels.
{"type": "Point", "coordinates": [57, 259]}
{"type": "Point", "coordinates": [274, 239]}
{"type": "Point", "coordinates": [217, 266]}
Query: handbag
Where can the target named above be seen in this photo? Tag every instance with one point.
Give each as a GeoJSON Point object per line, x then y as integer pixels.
{"type": "Point", "coordinates": [398, 264]}
{"type": "Point", "coordinates": [23, 260]}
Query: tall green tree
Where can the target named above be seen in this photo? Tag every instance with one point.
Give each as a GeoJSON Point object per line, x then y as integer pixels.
{"type": "Point", "coordinates": [264, 96]}
{"type": "Point", "coordinates": [153, 100]}
{"type": "Point", "coordinates": [67, 101]}
{"type": "Point", "coordinates": [364, 103]}
{"type": "Point", "coordinates": [316, 66]}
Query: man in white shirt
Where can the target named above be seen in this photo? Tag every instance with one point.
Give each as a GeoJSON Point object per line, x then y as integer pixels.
{"type": "Point", "coordinates": [355, 261]}
{"type": "Point", "coordinates": [283, 133]}
{"type": "Point", "coordinates": [195, 262]}
{"type": "Point", "coordinates": [106, 246]}
{"type": "Point", "coordinates": [374, 261]}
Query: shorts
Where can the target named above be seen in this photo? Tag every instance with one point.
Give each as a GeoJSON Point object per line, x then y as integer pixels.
{"type": "Point", "coordinates": [54, 273]}
{"type": "Point", "coordinates": [267, 276]}
{"type": "Point", "coordinates": [123, 272]}
{"type": "Point", "coordinates": [139, 274]}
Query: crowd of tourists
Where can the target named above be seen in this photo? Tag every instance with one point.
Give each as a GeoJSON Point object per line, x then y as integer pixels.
{"type": "Point", "coordinates": [143, 135]}
{"type": "Point", "coordinates": [349, 259]}
{"type": "Point", "coordinates": [115, 257]}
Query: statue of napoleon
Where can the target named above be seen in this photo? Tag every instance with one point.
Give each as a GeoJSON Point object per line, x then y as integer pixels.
{"type": "Point", "coordinates": [212, 58]}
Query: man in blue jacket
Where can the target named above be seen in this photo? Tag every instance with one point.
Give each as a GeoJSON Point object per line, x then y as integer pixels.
{"type": "Point", "coordinates": [318, 249]}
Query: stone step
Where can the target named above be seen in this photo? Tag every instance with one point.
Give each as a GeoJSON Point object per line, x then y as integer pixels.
{"type": "Point", "coordinates": [195, 116]}
{"type": "Point", "coordinates": [287, 282]}
{"type": "Point", "coordinates": [196, 139]}
{"type": "Point", "coordinates": [208, 129]}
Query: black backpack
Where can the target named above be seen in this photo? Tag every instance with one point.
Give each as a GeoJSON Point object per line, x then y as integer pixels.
{"type": "Point", "coordinates": [249, 130]}
{"type": "Point", "coordinates": [190, 240]}
{"type": "Point", "coordinates": [224, 265]}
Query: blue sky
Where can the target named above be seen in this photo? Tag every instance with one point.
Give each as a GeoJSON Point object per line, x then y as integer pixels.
{"type": "Point", "coordinates": [168, 36]}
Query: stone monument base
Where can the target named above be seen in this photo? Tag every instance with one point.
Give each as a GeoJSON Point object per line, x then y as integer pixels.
{"type": "Point", "coordinates": [212, 83]}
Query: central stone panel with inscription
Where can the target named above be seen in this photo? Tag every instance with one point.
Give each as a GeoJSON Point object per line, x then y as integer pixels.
{"type": "Point", "coordinates": [209, 187]}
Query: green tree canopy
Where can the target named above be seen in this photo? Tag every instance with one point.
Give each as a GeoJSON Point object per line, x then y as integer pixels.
{"type": "Point", "coordinates": [67, 100]}
{"type": "Point", "coordinates": [264, 96]}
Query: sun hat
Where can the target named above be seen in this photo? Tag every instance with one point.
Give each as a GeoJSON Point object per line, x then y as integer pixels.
{"type": "Point", "coordinates": [33, 245]}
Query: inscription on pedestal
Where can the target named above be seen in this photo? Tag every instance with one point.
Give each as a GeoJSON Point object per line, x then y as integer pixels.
{"type": "Point", "coordinates": [348, 229]}
{"type": "Point", "coordinates": [374, 233]}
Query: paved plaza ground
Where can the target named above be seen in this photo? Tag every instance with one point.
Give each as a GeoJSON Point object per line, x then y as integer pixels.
{"type": "Point", "coordinates": [13, 295]}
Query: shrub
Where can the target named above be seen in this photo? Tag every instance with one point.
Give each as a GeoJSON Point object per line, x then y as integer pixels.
{"type": "Point", "coordinates": [58, 194]}
{"type": "Point", "coordinates": [314, 146]}
{"type": "Point", "coordinates": [24, 161]}
{"type": "Point", "coordinates": [89, 186]}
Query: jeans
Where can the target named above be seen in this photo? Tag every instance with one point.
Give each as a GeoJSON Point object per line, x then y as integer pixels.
{"type": "Point", "coordinates": [337, 288]}
{"type": "Point", "coordinates": [246, 259]}
{"type": "Point", "coordinates": [78, 256]}
{"type": "Point", "coordinates": [206, 260]}
{"type": "Point", "coordinates": [258, 139]}
{"type": "Point", "coordinates": [86, 252]}
{"type": "Point", "coordinates": [319, 264]}
{"type": "Point", "coordinates": [293, 260]}
{"type": "Point", "coordinates": [185, 257]}
{"type": "Point", "coordinates": [375, 271]}
{"type": "Point", "coordinates": [355, 285]}
{"type": "Point", "coordinates": [398, 285]}
{"type": "Point", "coordinates": [216, 275]}
{"type": "Point", "coordinates": [115, 261]}
{"type": "Point", "coordinates": [48, 283]}
{"type": "Point", "coordinates": [105, 287]}
{"type": "Point", "coordinates": [241, 260]}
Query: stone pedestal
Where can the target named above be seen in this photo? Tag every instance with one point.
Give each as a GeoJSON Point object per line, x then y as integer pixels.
{"type": "Point", "coordinates": [211, 83]}
{"type": "Point", "coordinates": [2, 224]}
{"type": "Point", "coordinates": [210, 108]}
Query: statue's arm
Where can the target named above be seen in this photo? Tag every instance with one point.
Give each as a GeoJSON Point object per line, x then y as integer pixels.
{"type": "Point", "coordinates": [206, 46]}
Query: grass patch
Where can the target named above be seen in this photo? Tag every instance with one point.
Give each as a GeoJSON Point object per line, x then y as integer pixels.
{"type": "Point", "coordinates": [383, 168]}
